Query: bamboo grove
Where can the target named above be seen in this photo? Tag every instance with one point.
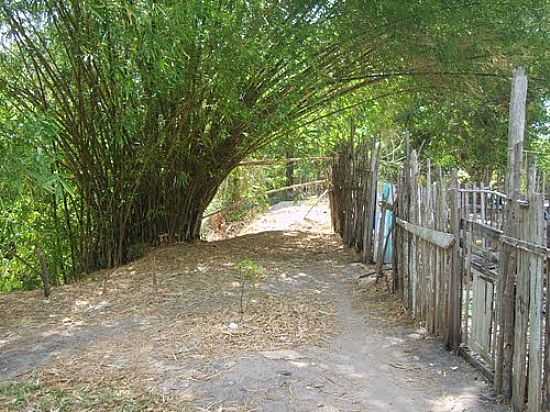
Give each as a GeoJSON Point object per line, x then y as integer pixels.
{"type": "Point", "coordinates": [143, 108]}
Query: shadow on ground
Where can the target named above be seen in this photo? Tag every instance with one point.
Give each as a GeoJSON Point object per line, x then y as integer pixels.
{"type": "Point", "coordinates": [166, 331]}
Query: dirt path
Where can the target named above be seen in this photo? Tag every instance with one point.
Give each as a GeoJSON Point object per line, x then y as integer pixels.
{"type": "Point", "coordinates": [312, 338]}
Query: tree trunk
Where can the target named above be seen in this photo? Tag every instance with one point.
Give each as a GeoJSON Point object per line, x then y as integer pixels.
{"type": "Point", "coordinates": [44, 271]}
{"type": "Point", "coordinates": [289, 172]}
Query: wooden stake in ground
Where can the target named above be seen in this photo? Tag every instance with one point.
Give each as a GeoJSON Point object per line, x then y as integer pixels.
{"type": "Point", "coordinates": [455, 282]}
{"type": "Point", "coordinates": [536, 234]}
{"type": "Point", "coordinates": [413, 218]}
{"type": "Point", "coordinates": [370, 206]}
{"type": "Point", "coordinates": [44, 271]}
{"type": "Point", "coordinates": [546, 387]}
{"type": "Point", "coordinates": [508, 257]}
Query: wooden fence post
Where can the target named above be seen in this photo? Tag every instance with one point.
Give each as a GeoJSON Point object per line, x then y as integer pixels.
{"type": "Point", "coordinates": [404, 209]}
{"type": "Point", "coordinates": [335, 195]}
{"type": "Point", "coordinates": [455, 281]}
{"type": "Point", "coordinates": [413, 218]}
{"type": "Point", "coordinates": [546, 386]}
{"type": "Point", "coordinates": [359, 194]}
{"type": "Point", "coordinates": [348, 188]}
{"type": "Point", "coordinates": [442, 225]}
{"type": "Point", "coordinates": [396, 257]}
{"type": "Point", "coordinates": [508, 267]}
{"type": "Point", "coordinates": [430, 251]}
{"type": "Point", "coordinates": [535, 272]}
{"type": "Point", "coordinates": [467, 248]}
{"type": "Point", "coordinates": [521, 317]}
{"type": "Point", "coordinates": [370, 206]}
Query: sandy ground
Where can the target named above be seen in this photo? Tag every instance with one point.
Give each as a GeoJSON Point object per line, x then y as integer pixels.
{"type": "Point", "coordinates": [311, 215]}
{"type": "Point", "coordinates": [313, 337]}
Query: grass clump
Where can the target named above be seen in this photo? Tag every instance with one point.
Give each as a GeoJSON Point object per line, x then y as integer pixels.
{"type": "Point", "coordinates": [34, 395]}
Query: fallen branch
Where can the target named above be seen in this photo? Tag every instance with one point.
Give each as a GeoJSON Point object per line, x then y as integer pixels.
{"type": "Point", "coordinates": [316, 203]}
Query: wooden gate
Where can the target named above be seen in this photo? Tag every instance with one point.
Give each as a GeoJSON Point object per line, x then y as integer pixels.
{"type": "Point", "coordinates": [482, 217]}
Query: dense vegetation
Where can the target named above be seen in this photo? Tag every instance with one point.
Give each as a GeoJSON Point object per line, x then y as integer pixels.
{"type": "Point", "coordinates": [120, 120]}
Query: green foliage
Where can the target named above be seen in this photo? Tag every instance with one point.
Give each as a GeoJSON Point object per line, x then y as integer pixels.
{"type": "Point", "coordinates": [250, 269]}
{"type": "Point", "coordinates": [250, 272]}
{"type": "Point", "coordinates": [539, 132]}
{"type": "Point", "coordinates": [241, 193]}
{"type": "Point", "coordinates": [469, 130]}
{"type": "Point", "coordinates": [33, 190]}
{"type": "Point", "coordinates": [120, 120]}
{"type": "Point", "coordinates": [37, 396]}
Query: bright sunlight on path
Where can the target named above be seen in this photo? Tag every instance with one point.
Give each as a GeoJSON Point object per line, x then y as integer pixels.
{"type": "Point", "coordinates": [306, 216]}
{"type": "Point", "coordinates": [164, 333]}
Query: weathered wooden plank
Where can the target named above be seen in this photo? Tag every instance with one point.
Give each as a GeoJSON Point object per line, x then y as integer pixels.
{"type": "Point", "coordinates": [489, 316]}
{"type": "Point", "coordinates": [413, 218]}
{"type": "Point", "coordinates": [484, 230]}
{"type": "Point", "coordinates": [546, 373]}
{"type": "Point", "coordinates": [516, 131]}
{"type": "Point", "coordinates": [535, 269]}
{"type": "Point", "coordinates": [395, 261]}
{"type": "Point", "coordinates": [486, 272]}
{"type": "Point", "coordinates": [519, 378]}
{"type": "Point", "coordinates": [434, 259]}
{"type": "Point", "coordinates": [468, 286]}
{"type": "Point", "coordinates": [475, 199]}
{"type": "Point", "coordinates": [404, 213]}
{"type": "Point", "coordinates": [398, 249]}
{"type": "Point", "coordinates": [361, 171]}
{"type": "Point", "coordinates": [336, 196]}
{"type": "Point", "coordinates": [440, 239]}
{"type": "Point", "coordinates": [483, 211]}
{"type": "Point", "coordinates": [468, 317]}
{"type": "Point", "coordinates": [347, 183]}
{"type": "Point", "coordinates": [443, 279]}
{"type": "Point", "coordinates": [423, 257]}
{"type": "Point", "coordinates": [490, 256]}
{"type": "Point", "coordinates": [525, 246]}
{"type": "Point", "coordinates": [455, 280]}
{"type": "Point", "coordinates": [430, 251]}
{"type": "Point", "coordinates": [483, 215]}
{"type": "Point", "coordinates": [510, 260]}
{"type": "Point", "coordinates": [370, 206]}
{"type": "Point", "coordinates": [482, 316]}
{"type": "Point", "coordinates": [477, 362]}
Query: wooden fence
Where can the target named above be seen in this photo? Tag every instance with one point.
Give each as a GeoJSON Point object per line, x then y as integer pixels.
{"type": "Point", "coordinates": [427, 263]}
{"type": "Point", "coordinates": [505, 286]}
{"type": "Point", "coordinates": [354, 178]}
{"type": "Point", "coordinates": [470, 263]}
